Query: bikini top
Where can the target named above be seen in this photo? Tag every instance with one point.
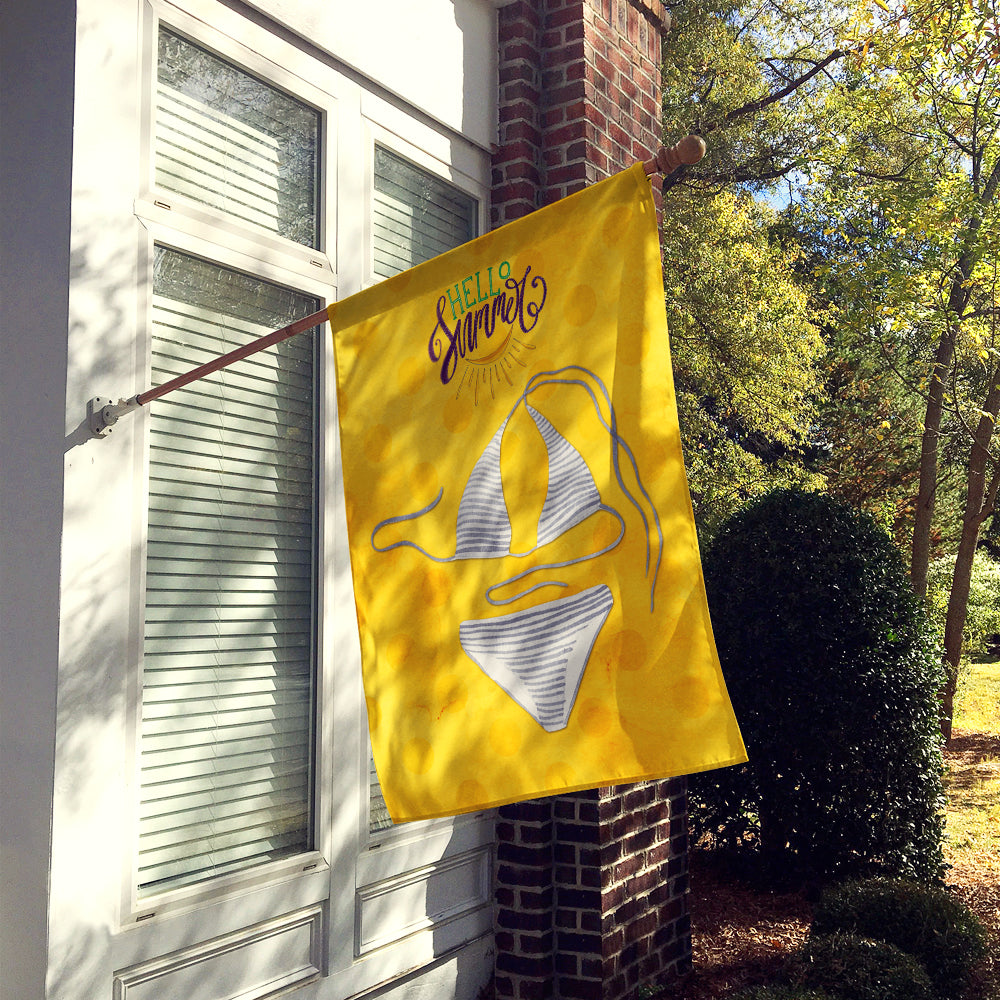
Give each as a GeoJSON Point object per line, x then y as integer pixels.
{"type": "Point", "coordinates": [483, 528]}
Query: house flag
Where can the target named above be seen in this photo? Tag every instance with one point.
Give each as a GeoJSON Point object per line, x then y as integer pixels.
{"type": "Point", "coordinates": [528, 586]}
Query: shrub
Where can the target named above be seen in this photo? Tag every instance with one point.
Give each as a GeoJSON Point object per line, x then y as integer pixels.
{"type": "Point", "coordinates": [982, 620]}
{"type": "Point", "coordinates": [856, 968]}
{"type": "Point", "coordinates": [833, 673]}
{"type": "Point", "coordinates": [926, 922]}
{"type": "Point", "coordinates": [782, 993]}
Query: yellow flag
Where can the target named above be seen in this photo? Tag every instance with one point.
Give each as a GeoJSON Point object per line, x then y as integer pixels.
{"type": "Point", "coordinates": [528, 585]}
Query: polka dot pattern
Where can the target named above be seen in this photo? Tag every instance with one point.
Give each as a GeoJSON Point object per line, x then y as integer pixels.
{"type": "Point", "coordinates": [411, 374]}
{"type": "Point", "coordinates": [628, 650]}
{"type": "Point", "coordinates": [615, 224]}
{"type": "Point", "coordinates": [596, 717]}
{"type": "Point", "coordinates": [436, 587]}
{"type": "Point", "coordinates": [457, 414]}
{"type": "Point", "coordinates": [418, 756]}
{"type": "Point", "coordinates": [452, 738]}
{"type": "Point", "coordinates": [580, 306]}
{"type": "Point", "coordinates": [505, 739]}
{"type": "Point", "coordinates": [378, 444]}
{"type": "Point", "coordinates": [451, 693]}
{"type": "Point", "coordinates": [632, 342]}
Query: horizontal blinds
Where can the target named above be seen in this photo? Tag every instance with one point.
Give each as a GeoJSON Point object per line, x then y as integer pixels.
{"type": "Point", "coordinates": [416, 216]}
{"type": "Point", "coordinates": [228, 676]}
{"type": "Point", "coordinates": [228, 140]}
{"type": "Point", "coordinates": [378, 812]}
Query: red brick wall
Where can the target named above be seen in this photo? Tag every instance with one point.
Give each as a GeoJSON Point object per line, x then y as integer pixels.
{"type": "Point", "coordinates": [591, 888]}
{"type": "Point", "coordinates": [579, 96]}
{"type": "Point", "coordinates": [591, 893]}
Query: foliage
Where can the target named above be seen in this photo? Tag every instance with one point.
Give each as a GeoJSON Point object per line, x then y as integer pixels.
{"type": "Point", "coordinates": [868, 424]}
{"type": "Point", "coordinates": [869, 428]}
{"type": "Point", "coordinates": [782, 992]}
{"type": "Point", "coordinates": [857, 968]}
{"type": "Point", "coordinates": [879, 125]}
{"type": "Point", "coordinates": [833, 675]}
{"type": "Point", "coordinates": [926, 922]}
{"type": "Point", "coordinates": [745, 353]}
{"type": "Point", "coordinates": [983, 616]}
{"type": "Point", "coordinates": [747, 77]}
{"type": "Point", "coordinates": [745, 344]}
{"type": "Point", "coordinates": [912, 200]}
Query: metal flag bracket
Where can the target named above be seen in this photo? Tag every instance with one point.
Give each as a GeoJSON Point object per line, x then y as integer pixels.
{"type": "Point", "coordinates": [103, 413]}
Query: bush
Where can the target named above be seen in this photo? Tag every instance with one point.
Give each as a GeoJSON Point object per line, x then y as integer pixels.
{"type": "Point", "coordinates": [834, 674]}
{"type": "Point", "coordinates": [926, 922]}
{"type": "Point", "coordinates": [982, 620]}
{"type": "Point", "coordinates": [782, 993]}
{"type": "Point", "coordinates": [856, 968]}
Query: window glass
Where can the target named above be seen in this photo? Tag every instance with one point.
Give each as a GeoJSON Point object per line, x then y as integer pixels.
{"type": "Point", "coordinates": [416, 215]}
{"type": "Point", "coordinates": [228, 680]}
{"type": "Point", "coordinates": [228, 140]}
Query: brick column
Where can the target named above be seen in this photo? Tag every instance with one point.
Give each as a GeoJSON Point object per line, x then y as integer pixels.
{"type": "Point", "coordinates": [517, 160]}
{"type": "Point", "coordinates": [579, 96]}
{"type": "Point", "coordinates": [591, 888]}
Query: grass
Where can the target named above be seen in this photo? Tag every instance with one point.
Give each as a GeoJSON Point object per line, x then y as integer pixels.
{"type": "Point", "coordinates": [973, 784]}
{"type": "Point", "coordinates": [973, 810]}
{"type": "Point", "coordinates": [977, 701]}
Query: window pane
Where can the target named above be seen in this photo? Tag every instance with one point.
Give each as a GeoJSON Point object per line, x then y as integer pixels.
{"type": "Point", "coordinates": [416, 217]}
{"type": "Point", "coordinates": [228, 140]}
{"type": "Point", "coordinates": [228, 656]}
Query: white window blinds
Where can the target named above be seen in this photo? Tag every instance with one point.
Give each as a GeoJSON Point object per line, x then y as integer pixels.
{"type": "Point", "coordinates": [228, 659]}
{"type": "Point", "coordinates": [416, 216]}
{"type": "Point", "coordinates": [228, 674]}
{"type": "Point", "coordinates": [230, 141]}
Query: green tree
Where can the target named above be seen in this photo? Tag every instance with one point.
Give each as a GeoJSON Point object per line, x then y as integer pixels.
{"type": "Point", "coordinates": [869, 421]}
{"type": "Point", "coordinates": [879, 121]}
{"type": "Point", "coordinates": [833, 673]}
{"type": "Point", "coordinates": [747, 353]}
{"type": "Point", "coordinates": [911, 187]}
{"type": "Point", "coordinates": [747, 76]}
{"type": "Point", "coordinates": [747, 358]}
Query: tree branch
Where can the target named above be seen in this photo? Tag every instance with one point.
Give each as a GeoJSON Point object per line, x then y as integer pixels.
{"type": "Point", "coordinates": [753, 107]}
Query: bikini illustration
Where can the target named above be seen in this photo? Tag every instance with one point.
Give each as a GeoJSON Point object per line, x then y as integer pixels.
{"type": "Point", "coordinates": [538, 655]}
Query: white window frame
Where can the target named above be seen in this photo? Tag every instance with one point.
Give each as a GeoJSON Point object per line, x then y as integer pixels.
{"type": "Point", "coordinates": [180, 224]}
{"type": "Point", "coordinates": [350, 870]}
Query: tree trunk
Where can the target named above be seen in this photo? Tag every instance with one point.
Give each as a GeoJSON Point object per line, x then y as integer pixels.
{"type": "Point", "coordinates": [958, 299]}
{"type": "Point", "coordinates": [979, 501]}
{"type": "Point", "coordinates": [920, 553]}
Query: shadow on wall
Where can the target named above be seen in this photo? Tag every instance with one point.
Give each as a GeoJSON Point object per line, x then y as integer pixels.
{"type": "Point", "coordinates": [93, 710]}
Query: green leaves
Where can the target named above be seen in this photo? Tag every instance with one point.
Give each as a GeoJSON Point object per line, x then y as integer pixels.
{"type": "Point", "coordinates": [833, 675]}
{"type": "Point", "coordinates": [746, 352]}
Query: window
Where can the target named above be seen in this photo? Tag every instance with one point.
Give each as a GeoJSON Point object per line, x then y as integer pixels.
{"type": "Point", "coordinates": [273, 183]}
{"type": "Point", "coordinates": [229, 647]}
{"type": "Point", "coordinates": [228, 680]}
{"type": "Point", "coordinates": [227, 140]}
{"type": "Point", "coordinates": [416, 216]}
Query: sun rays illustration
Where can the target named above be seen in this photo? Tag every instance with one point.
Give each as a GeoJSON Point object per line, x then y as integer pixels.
{"type": "Point", "coordinates": [488, 373]}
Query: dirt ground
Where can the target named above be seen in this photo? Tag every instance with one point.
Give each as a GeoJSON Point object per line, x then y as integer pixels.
{"type": "Point", "coordinates": [742, 935]}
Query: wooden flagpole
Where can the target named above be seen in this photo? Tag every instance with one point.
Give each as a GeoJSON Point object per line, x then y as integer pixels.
{"type": "Point", "coordinates": [688, 151]}
{"type": "Point", "coordinates": [225, 360]}
{"type": "Point", "coordinates": [102, 413]}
